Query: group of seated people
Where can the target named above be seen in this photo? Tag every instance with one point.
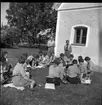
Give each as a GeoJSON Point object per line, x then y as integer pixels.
{"type": "Point", "coordinates": [70, 70]}
{"type": "Point", "coordinates": [20, 74]}
{"type": "Point", "coordinates": [61, 69]}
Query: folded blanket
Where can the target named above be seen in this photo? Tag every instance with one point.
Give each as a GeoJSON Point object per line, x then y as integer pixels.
{"type": "Point", "coordinates": [11, 85]}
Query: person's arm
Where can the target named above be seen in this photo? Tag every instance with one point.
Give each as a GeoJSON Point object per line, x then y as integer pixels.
{"type": "Point", "coordinates": [70, 48]}
{"type": "Point", "coordinates": [54, 43]}
{"type": "Point", "coordinates": [23, 73]}
{"type": "Point", "coordinates": [54, 58]}
{"type": "Point", "coordinates": [61, 72]}
{"type": "Point", "coordinates": [67, 70]}
{"type": "Point", "coordinates": [1, 69]}
{"type": "Point", "coordinates": [66, 60]}
{"type": "Point", "coordinates": [47, 60]}
{"type": "Point", "coordinates": [91, 66]}
{"type": "Point", "coordinates": [65, 48]}
{"type": "Point", "coordinates": [50, 71]}
{"type": "Point", "coordinates": [85, 69]}
{"type": "Point", "coordinates": [48, 44]}
{"type": "Point", "coordinates": [50, 59]}
{"type": "Point", "coordinates": [79, 66]}
{"type": "Point", "coordinates": [78, 72]}
{"type": "Point", "coordinates": [6, 59]}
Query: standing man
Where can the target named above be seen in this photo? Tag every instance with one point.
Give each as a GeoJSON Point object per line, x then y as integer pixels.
{"type": "Point", "coordinates": [51, 45]}
{"type": "Point", "coordinates": [67, 49]}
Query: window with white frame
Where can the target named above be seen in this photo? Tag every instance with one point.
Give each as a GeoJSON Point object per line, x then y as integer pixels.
{"type": "Point", "coordinates": [80, 35]}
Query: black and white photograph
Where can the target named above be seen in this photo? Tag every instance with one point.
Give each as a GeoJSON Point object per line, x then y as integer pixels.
{"type": "Point", "coordinates": [51, 53]}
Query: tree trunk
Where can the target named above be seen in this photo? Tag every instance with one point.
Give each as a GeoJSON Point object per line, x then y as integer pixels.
{"type": "Point", "coordinates": [29, 38]}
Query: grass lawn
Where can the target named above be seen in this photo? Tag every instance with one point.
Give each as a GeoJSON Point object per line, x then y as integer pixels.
{"type": "Point", "coordinates": [63, 95]}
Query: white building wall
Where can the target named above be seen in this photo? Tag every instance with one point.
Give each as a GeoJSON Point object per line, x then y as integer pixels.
{"type": "Point", "coordinates": [67, 19]}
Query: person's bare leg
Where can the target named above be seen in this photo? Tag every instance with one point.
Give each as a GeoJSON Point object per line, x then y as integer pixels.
{"type": "Point", "coordinates": [32, 84]}
{"type": "Point", "coordinates": [28, 74]}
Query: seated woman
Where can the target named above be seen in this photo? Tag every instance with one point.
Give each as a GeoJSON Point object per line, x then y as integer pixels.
{"type": "Point", "coordinates": [36, 60]}
{"type": "Point", "coordinates": [64, 59]}
{"type": "Point", "coordinates": [73, 73]}
{"type": "Point", "coordinates": [6, 74]}
{"type": "Point", "coordinates": [30, 58]}
{"type": "Point", "coordinates": [41, 56]}
{"type": "Point", "coordinates": [82, 67]}
{"type": "Point", "coordinates": [80, 57]}
{"type": "Point", "coordinates": [20, 78]}
{"type": "Point", "coordinates": [46, 59]}
{"type": "Point", "coordinates": [71, 57]}
{"type": "Point", "coordinates": [55, 73]}
{"type": "Point", "coordinates": [5, 59]}
{"type": "Point", "coordinates": [6, 68]}
{"type": "Point", "coordinates": [28, 68]}
{"type": "Point", "coordinates": [90, 66]}
{"type": "Point", "coordinates": [70, 60]}
{"type": "Point", "coordinates": [52, 58]}
{"type": "Point", "coordinates": [4, 56]}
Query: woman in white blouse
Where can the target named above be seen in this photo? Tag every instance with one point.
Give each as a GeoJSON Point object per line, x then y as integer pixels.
{"type": "Point", "coordinates": [20, 77]}
{"type": "Point", "coordinates": [51, 45]}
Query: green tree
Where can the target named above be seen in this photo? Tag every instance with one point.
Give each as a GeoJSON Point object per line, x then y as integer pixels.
{"type": "Point", "coordinates": [10, 35]}
{"type": "Point", "coordinates": [31, 18]}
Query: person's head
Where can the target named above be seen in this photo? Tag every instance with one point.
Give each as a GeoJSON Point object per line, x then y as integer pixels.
{"type": "Point", "coordinates": [87, 59]}
{"type": "Point", "coordinates": [48, 53]}
{"type": "Point", "coordinates": [28, 61]}
{"type": "Point", "coordinates": [74, 61]}
{"type": "Point", "coordinates": [51, 38]}
{"type": "Point", "coordinates": [53, 54]}
{"type": "Point", "coordinates": [80, 60]}
{"type": "Point", "coordinates": [45, 53]}
{"type": "Point", "coordinates": [61, 55]}
{"type": "Point", "coordinates": [4, 65]}
{"type": "Point", "coordinates": [80, 57]}
{"type": "Point", "coordinates": [4, 54]}
{"type": "Point", "coordinates": [71, 56]}
{"type": "Point", "coordinates": [67, 42]}
{"type": "Point", "coordinates": [57, 61]}
{"type": "Point", "coordinates": [36, 57]}
{"type": "Point", "coordinates": [40, 53]}
{"type": "Point", "coordinates": [25, 55]}
{"type": "Point", "coordinates": [21, 59]}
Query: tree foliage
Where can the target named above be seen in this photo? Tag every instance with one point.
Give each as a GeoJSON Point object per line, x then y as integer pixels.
{"type": "Point", "coordinates": [30, 18]}
{"type": "Point", "coordinates": [10, 35]}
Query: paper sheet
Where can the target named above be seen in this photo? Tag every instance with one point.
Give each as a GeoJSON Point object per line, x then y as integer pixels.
{"type": "Point", "coordinates": [49, 86]}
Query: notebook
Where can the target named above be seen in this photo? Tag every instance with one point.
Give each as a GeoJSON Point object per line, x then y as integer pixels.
{"type": "Point", "coordinates": [50, 86]}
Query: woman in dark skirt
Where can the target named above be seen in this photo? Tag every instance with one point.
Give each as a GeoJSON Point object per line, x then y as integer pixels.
{"type": "Point", "coordinates": [73, 73]}
{"type": "Point", "coordinates": [56, 73]}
